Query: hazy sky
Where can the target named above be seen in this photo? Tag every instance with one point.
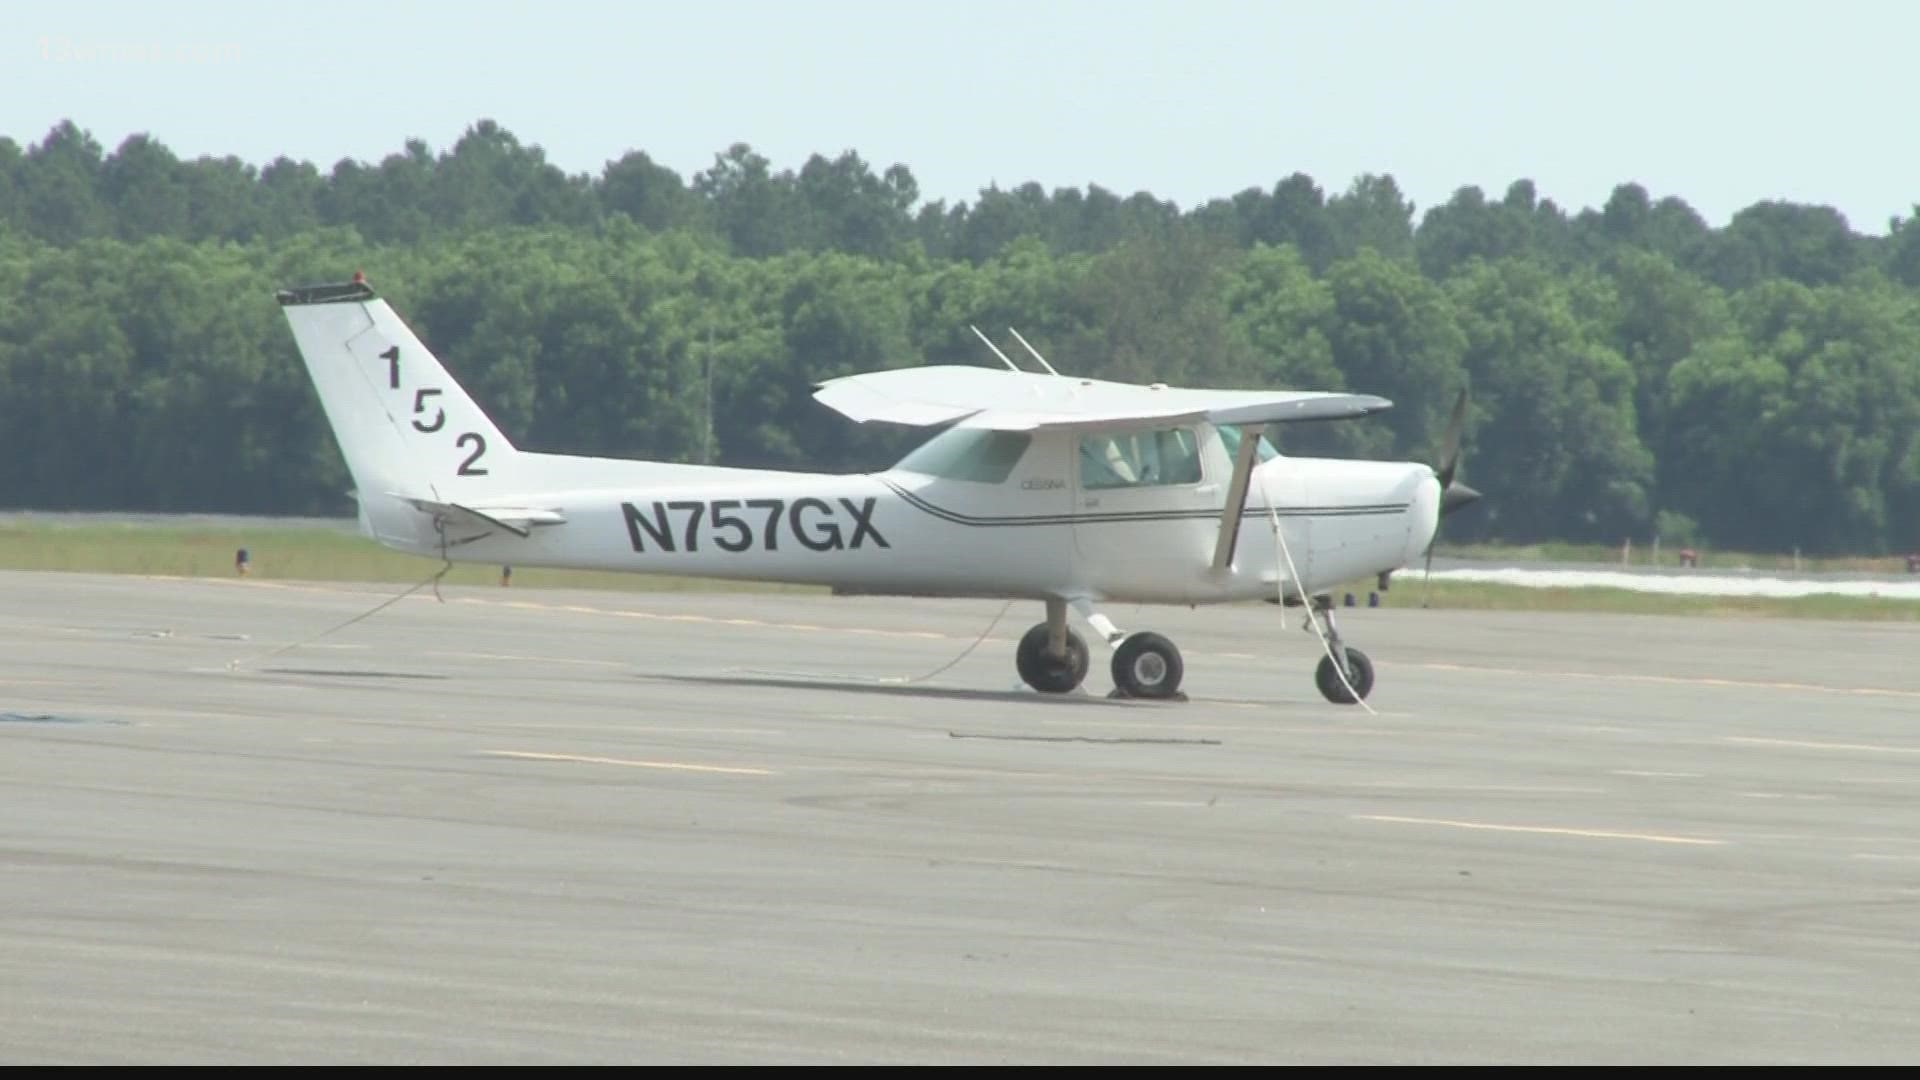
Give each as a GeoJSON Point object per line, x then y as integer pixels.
{"type": "Point", "coordinates": [1720, 103]}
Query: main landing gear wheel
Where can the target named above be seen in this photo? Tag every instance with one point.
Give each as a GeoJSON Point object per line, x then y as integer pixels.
{"type": "Point", "coordinates": [1359, 673]}
{"type": "Point", "coordinates": [1147, 666]}
{"type": "Point", "coordinates": [1048, 673]}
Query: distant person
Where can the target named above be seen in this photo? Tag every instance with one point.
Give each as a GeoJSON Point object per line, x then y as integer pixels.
{"type": "Point", "coordinates": [240, 562]}
{"type": "Point", "coordinates": [506, 576]}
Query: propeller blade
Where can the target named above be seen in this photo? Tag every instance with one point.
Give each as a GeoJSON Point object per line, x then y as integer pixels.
{"type": "Point", "coordinates": [1450, 442]}
{"type": "Point", "coordinates": [1452, 496]}
{"type": "Point", "coordinates": [1426, 596]}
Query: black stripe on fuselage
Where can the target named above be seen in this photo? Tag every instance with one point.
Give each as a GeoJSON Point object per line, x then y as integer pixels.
{"type": "Point", "coordinates": [1128, 517]}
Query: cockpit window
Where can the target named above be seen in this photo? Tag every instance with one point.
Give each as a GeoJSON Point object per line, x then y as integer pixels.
{"type": "Point", "coordinates": [985, 457]}
{"type": "Point", "coordinates": [1230, 437]}
{"type": "Point", "coordinates": [1139, 458]}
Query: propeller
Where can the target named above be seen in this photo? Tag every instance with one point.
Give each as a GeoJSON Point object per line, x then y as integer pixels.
{"type": "Point", "coordinates": [1452, 496]}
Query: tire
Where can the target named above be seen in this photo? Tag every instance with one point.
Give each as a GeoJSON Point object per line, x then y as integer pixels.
{"type": "Point", "coordinates": [1359, 673]}
{"type": "Point", "coordinates": [1147, 666]}
{"type": "Point", "coordinates": [1050, 674]}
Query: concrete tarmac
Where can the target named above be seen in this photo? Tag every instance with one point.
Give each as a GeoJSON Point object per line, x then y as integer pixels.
{"type": "Point", "coordinates": [529, 827]}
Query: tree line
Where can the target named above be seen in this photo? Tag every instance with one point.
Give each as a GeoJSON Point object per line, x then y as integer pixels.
{"type": "Point", "coordinates": [1633, 370]}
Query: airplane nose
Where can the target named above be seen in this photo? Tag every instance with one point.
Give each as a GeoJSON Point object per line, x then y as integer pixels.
{"type": "Point", "coordinates": [1423, 514]}
{"type": "Point", "coordinates": [1455, 496]}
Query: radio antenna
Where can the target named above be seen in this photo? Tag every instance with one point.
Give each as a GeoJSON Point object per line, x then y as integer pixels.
{"type": "Point", "coordinates": [1031, 349]}
{"type": "Point", "coordinates": [996, 349]}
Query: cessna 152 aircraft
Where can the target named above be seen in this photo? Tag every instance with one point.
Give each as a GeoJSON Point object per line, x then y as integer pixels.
{"type": "Point", "coordinates": [1069, 491]}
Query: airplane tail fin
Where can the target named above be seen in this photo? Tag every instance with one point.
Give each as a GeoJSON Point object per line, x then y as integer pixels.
{"type": "Point", "coordinates": [409, 433]}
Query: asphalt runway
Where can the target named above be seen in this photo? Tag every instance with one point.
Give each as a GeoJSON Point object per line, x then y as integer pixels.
{"type": "Point", "coordinates": [527, 827]}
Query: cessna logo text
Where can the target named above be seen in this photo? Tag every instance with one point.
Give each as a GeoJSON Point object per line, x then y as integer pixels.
{"type": "Point", "coordinates": [743, 524]}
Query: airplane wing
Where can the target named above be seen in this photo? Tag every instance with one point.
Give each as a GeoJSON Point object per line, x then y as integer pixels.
{"type": "Point", "coordinates": [1025, 401]}
{"type": "Point", "coordinates": [915, 402]}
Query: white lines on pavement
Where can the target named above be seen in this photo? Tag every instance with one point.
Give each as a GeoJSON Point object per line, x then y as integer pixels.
{"type": "Point", "coordinates": [1805, 744]}
{"type": "Point", "coordinates": [1598, 834]}
{"type": "Point", "coordinates": [631, 763]}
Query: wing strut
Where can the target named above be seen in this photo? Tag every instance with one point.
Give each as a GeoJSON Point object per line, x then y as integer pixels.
{"type": "Point", "coordinates": [1243, 461]}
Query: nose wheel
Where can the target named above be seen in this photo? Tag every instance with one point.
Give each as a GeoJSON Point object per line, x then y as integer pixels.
{"type": "Point", "coordinates": [1359, 675]}
{"type": "Point", "coordinates": [1354, 664]}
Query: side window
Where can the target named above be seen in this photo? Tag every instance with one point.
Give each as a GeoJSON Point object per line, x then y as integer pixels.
{"type": "Point", "coordinates": [1230, 437]}
{"type": "Point", "coordinates": [1139, 459]}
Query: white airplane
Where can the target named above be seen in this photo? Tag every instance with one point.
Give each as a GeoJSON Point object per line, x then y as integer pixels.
{"type": "Point", "coordinates": [1073, 492]}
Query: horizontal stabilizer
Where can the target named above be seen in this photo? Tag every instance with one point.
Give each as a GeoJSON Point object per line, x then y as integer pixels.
{"type": "Point", "coordinates": [518, 520]}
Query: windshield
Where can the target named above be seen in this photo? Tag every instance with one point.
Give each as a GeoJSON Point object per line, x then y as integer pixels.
{"type": "Point", "coordinates": [976, 454]}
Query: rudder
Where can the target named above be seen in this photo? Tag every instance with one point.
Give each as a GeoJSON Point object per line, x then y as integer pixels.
{"type": "Point", "coordinates": [405, 427]}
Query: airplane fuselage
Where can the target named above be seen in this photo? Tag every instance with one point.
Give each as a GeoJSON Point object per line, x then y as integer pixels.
{"type": "Point", "coordinates": [1037, 533]}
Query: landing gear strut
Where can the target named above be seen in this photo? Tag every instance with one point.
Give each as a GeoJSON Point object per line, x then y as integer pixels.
{"type": "Point", "coordinates": [1358, 669]}
{"type": "Point", "coordinates": [1144, 665]}
{"type": "Point", "coordinates": [1053, 659]}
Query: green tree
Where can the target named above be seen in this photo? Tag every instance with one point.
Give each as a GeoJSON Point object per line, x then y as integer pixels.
{"type": "Point", "coordinates": [12, 162]}
{"type": "Point", "coordinates": [651, 194]}
{"type": "Point", "coordinates": [1656, 315]}
{"type": "Point", "coordinates": [839, 315]}
{"type": "Point", "coordinates": [1372, 214]}
{"type": "Point", "coordinates": [1029, 287]}
{"type": "Point", "coordinates": [1096, 220]}
{"type": "Point", "coordinates": [221, 199]}
{"type": "Point", "coordinates": [1282, 317]}
{"type": "Point", "coordinates": [1554, 433]}
{"type": "Point", "coordinates": [68, 365]}
{"type": "Point", "coordinates": [1902, 250]}
{"type": "Point", "coordinates": [1799, 431]}
{"type": "Point", "coordinates": [753, 208]}
{"type": "Point", "coordinates": [289, 198]}
{"type": "Point", "coordinates": [1631, 218]}
{"type": "Point", "coordinates": [489, 179]}
{"type": "Point", "coordinates": [142, 182]}
{"type": "Point", "coordinates": [59, 187]}
{"type": "Point", "coordinates": [1294, 213]}
{"type": "Point", "coordinates": [1394, 333]}
{"type": "Point", "coordinates": [1808, 244]}
{"type": "Point", "coordinates": [1468, 227]}
{"type": "Point", "coordinates": [997, 219]}
{"type": "Point", "coordinates": [1151, 311]}
{"type": "Point", "coordinates": [845, 207]}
